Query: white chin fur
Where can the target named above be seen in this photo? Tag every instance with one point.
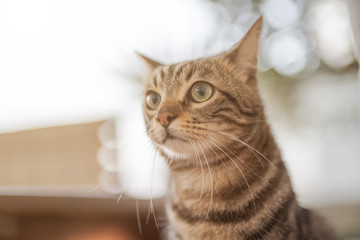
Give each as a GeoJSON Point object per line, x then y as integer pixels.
{"type": "Point", "coordinates": [173, 155]}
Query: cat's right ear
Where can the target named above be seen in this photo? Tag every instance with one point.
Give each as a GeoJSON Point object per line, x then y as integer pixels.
{"type": "Point", "coordinates": [244, 54]}
{"type": "Point", "coordinates": [151, 64]}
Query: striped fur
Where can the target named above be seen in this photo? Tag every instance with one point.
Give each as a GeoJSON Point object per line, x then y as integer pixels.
{"type": "Point", "coordinates": [228, 179]}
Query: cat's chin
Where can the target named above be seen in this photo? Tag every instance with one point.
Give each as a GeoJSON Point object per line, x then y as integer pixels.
{"type": "Point", "coordinates": [175, 149]}
{"type": "Point", "coordinates": [172, 155]}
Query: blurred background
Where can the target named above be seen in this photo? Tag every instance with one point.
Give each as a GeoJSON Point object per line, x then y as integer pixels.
{"type": "Point", "coordinates": [75, 162]}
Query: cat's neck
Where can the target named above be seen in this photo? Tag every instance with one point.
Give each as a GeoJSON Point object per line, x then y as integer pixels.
{"type": "Point", "coordinates": [242, 169]}
{"type": "Point", "coordinates": [243, 190]}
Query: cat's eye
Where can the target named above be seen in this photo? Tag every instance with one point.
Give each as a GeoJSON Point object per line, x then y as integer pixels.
{"type": "Point", "coordinates": [153, 100]}
{"type": "Point", "coordinates": [201, 91]}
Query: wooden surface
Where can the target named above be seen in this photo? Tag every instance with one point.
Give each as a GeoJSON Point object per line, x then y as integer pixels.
{"type": "Point", "coordinates": [64, 218]}
{"type": "Point", "coordinates": [63, 155]}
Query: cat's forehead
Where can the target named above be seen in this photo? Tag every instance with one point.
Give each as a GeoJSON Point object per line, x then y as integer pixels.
{"type": "Point", "coordinates": [173, 77]}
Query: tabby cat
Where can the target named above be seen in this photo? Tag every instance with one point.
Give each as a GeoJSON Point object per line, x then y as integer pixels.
{"type": "Point", "coordinates": [228, 180]}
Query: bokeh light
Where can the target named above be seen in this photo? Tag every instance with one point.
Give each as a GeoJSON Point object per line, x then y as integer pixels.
{"type": "Point", "coordinates": [281, 13]}
{"type": "Point", "coordinates": [331, 26]}
{"type": "Point", "coordinates": [286, 51]}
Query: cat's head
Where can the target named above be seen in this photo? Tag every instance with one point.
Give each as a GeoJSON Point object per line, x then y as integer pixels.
{"type": "Point", "coordinates": [195, 109]}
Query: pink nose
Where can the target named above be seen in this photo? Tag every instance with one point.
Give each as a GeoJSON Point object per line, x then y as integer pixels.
{"type": "Point", "coordinates": [165, 118]}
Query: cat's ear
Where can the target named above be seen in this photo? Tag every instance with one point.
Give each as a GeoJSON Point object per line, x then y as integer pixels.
{"type": "Point", "coordinates": [152, 64]}
{"type": "Point", "coordinates": [244, 54]}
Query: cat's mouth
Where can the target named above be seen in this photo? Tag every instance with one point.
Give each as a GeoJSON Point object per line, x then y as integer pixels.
{"type": "Point", "coordinates": [174, 147]}
{"type": "Point", "coordinates": [170, 137]}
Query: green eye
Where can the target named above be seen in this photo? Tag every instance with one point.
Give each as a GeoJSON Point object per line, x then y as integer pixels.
{"type": "Point", "coordinates": [201, 91]}
{"type": "Point", "coordinates": [153, 100]}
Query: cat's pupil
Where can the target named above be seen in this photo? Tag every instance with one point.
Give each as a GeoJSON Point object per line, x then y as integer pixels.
{"type": "Point", "coordinates": [155, 99]}
{"type": "Point", "coordinates": [201, 91]}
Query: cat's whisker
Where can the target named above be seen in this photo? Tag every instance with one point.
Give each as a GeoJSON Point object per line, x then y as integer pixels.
{"type": "Point", "coordinates": [244, 122]}
{"type": "Point", "coordinates": [148, 214]}
{"type": "Point", "coordinates": [259, 160]}
{"type": "Point", "coordinates": [138, 215]}
{"type": "Point", "coordinates": [237, 158]}
{"type": "Point", "coordinates": [256, 156]}
{"type": "Point", "coordinates": [151, 198]}
{"type": "Point", "coordinates": [144, 166]}
{"type": "Point", "coordinates": [242, 142]}
{"type": "Point", "coordinates": [124, 188]}
{"type": "Point", "coordinates": [212, 149]}
{"type": "Point", "coordinates": [202, 168]}
{"type": "Point", "coordinates": [241, 172]}
{"type": "Point", "coordinates": [120, 196]}
{"type": "Point", "coordinates": [150, 210]}
{"type": "Point", "coordinates": [211, 181]}
{"type": "Point", "coordinates": [102, 183]}
{"type": "Point", "coordinates": [155, 219]}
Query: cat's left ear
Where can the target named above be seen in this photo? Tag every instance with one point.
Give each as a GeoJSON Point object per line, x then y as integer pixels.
{"type": "Point", "coordinates": [244, 54]}
{"type": "Point", "coordinates": [152, 64]}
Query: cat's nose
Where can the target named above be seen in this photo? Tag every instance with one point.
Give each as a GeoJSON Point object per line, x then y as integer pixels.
{"type": "Point", "coordinates": [165, 118]}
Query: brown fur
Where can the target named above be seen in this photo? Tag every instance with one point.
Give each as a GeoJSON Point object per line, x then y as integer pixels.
{"type": "Point", "coordinates": [228, 179]}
